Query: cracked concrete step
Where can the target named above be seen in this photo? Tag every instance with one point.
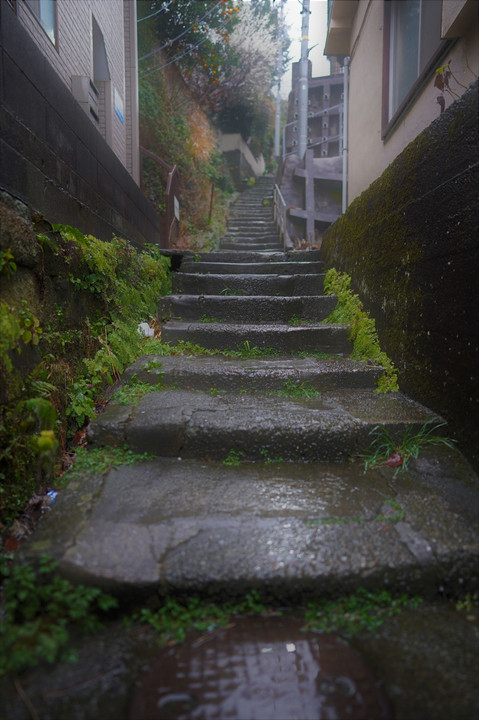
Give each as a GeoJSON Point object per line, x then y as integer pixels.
{"type": "Point", "coordinates": [243, 236]}
{"type": "Point", "coordinates": [291, 531]}
{"type": "Point", "coordinates": [324, 338]}
{"type": "Point", "coordinates": [189, 424]}
{"type": "Point", "coordinates": [257, 268]}
{"type": "Point", "coordinates": [220, 372]}
{"type": "Point", "coordinates": [227, 284]}
{"type": "Point", "coordinates": [247, 309]}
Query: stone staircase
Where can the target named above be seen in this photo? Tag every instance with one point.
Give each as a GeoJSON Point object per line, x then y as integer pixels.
{"type": "Point", "coordinates": [255, 484]}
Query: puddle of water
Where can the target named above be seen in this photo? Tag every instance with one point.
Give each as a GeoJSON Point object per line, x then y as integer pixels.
{"type": "Point", "coordinates": [259, 669]}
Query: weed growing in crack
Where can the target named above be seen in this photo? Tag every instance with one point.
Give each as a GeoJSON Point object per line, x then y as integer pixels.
{"type": "Point", "coordinates": [354, 613]}
{"type": "Point", "coordinates": [234, 457]}
{"type": "Point", "coordinates": [173, 620]}
{"type": "Point", "coordinates": [294, 389]}
{"type": "Point", "coordinates": [135, 390]}
{"type": "Point", "coordinates": [269, 460]}
{"type": "Point", "coordinates": [384, 450]}
{"type": "Point", "coordinates": [100, 461]}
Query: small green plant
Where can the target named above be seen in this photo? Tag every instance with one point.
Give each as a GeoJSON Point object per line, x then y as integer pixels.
{"type": "Point", "coordinates": [135, 390]}
{"type": "Point", "coordinates": [362, 333]}
{"type": "Point", "coordinates": [295, 320]}
{"type": "Point", "coordinates": [384, 450]}
{"type": "Point", "coordinates": [293, 389]}
{"type": "Point", "coordinates": [99, 461]}
{"type": "Point", "coordinates": [234, 457]}
{"type": "Point", "coordinates": [215, 392]}
{"type": "Point", "coordinates": [268, 460]}
{"type": "Point", "coordinates": [245, 350]}
{"type": "Point", "coordinates": [7, 262]}
{"type": "Point", "coordinates": [196, 257]}
{"type": "Point", "coordinates": [38, 611]}
{"type": "Point", "coordinates": [393, 517]}
{"type": "Point", "coordinates": [229, 291]}
{"type": "Point", "coordinates": [174, 619]}
{"type": "Point", "coordinates": [469, 603]}
{"type": "Point", "coordinates": [207, 319]}
{"type": "Point", "coordinates": [361, 611]}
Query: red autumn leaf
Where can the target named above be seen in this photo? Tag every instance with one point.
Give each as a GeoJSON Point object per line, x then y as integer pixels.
{"type": "Point", "coordinates": [395, 460]}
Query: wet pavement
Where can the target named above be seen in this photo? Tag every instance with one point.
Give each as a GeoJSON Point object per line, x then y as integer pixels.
{"type": "Point", "coordinates": [420, 665]}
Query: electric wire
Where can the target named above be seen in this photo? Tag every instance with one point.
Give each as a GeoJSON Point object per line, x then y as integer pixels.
{"type": "Point", "coordinates": [178, 37]}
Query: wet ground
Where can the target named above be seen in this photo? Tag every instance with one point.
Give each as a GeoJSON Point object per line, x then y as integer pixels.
{"type": "Point", "coordinates": [420, 665]}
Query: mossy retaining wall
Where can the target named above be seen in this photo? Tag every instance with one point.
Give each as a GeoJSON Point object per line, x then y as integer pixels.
{"type": "Point", "coordinates": [411, 244]}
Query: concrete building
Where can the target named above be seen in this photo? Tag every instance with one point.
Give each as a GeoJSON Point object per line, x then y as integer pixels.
{"type": "Point", "coordinates": [395, 48]}
{"type": "Point", "coordinates": [69, 144]}
{"type": "Point", "coordinates": [312, 186]}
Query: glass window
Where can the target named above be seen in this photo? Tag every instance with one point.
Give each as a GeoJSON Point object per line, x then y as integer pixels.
{"type": "Point", "coordinates": [414, 40]}
{"type": "Point", "coordinates": [45, 12]}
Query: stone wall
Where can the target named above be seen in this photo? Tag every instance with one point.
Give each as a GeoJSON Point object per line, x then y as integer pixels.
{"type": "Point", "coordinates": [52, 157]}
{"type": "Point", "coordinates": [411, 244]}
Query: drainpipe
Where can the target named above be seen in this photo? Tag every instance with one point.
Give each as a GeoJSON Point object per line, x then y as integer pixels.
{"type": "Point", "coordinates": [303, 84]}
{"type": "Point", "coordinates": [345, 134]}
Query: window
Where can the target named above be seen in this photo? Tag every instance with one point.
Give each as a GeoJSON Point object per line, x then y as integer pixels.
{"type": "Point", "coordinates": [46, 13]}
{"type": "Point", "coordinates": [412, 44]}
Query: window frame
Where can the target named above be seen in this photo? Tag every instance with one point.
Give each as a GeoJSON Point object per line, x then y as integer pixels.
{"type": "Point", "coordinates": [389, 123]}
{"type": "Point", "coordinates": [38, 18]}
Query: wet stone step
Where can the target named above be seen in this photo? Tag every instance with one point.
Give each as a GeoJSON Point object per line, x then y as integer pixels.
{"type": "Point", "coordinates": [291, 531]}
{"type": "Point", "coordinates": [335, 426]}
{"type": "Point", "coordinates": [247, 309]}
{"type": "Point", "coordinates": [222, 373]}
{"type": "Point", "coordinates": [258, 268]}
{"type": "Point", "coordinates": [250, 256]}
{"type": "Point", "coordinates": [324, 338]}
{"type": "Point", "coordinates": [224, 284]}
{"type": "Point", "coordinates": [253, 246]}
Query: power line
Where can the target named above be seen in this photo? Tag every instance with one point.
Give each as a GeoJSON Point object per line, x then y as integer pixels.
{"type": "Point", "coordinates": [164, 6]}
{"type": "Point", "coordinates": [170, 42]}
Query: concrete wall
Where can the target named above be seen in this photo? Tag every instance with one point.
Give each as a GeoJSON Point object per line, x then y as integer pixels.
{"type": "Point", "coordinates": [369, 155]}
{"type": "Point", "coordinates": [240, 159]}
{"type": "Point", "coordinates": [411, 244]}
{"type": "Point", "coordinates": [73, 56]}
{"type": "Point", "coordinates": [52, 157]}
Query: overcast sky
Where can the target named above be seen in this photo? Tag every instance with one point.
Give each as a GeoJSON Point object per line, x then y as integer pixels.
{"type": "Point", "coordinates": [317, 36]}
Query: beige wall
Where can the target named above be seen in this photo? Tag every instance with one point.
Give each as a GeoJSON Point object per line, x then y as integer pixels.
{"type": "Point", "coordinates": [369, 155]}
{"type": "Point", "coordinates": [73, 57]}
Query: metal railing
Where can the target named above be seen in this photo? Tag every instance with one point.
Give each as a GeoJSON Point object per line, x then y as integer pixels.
{"type": "Point", "coordinates": [171, 217]}
{"type": "Point", "coordinates": [280, 218]}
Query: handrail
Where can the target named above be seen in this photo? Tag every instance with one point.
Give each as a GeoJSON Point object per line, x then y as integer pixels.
{"type": "Point", "coordinates": [279, 216]}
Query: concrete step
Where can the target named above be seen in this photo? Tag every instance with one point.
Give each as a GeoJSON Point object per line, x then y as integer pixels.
{"type": "Point", "coordinates": [244, 309]}
{"type": "Point", "coordinates": [223, 284]}
{"type": "Point", "coordinates": [252, 246]}
{"type": "Point", "coordinates": [257, 268]}
{"type": "Point", "coordinates": [330, 339]}
{"type": "Point", "coordinates": [250, 256]}
{"type": "Point", "coordinates": [251, 237]}
{"type": "Point", "coordinates": [292, 531]}
{"type": "Point", "coordinates": [224, 373]}
{"type": "Point", "coordinates": [190, 424]}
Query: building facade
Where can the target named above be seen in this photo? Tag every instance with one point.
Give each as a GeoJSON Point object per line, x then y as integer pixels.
{"type": "Point", "coordinates": [69, 115]}
{"type": "Point", "coordinates": [395, 48]}
{"type": "Point", "coordinates": [91, 45]}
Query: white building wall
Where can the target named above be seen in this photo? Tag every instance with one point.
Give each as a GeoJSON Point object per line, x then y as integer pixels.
{"type": "Point", "coordinates": [369, 154]}
{"type": "Point", "coordinates": [73, 55]}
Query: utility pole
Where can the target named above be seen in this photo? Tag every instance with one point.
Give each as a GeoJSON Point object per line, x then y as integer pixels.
{"type": "Point", "coordinates": [279, 69]}
{"type": "Point", "coordinates": [303, 84]}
